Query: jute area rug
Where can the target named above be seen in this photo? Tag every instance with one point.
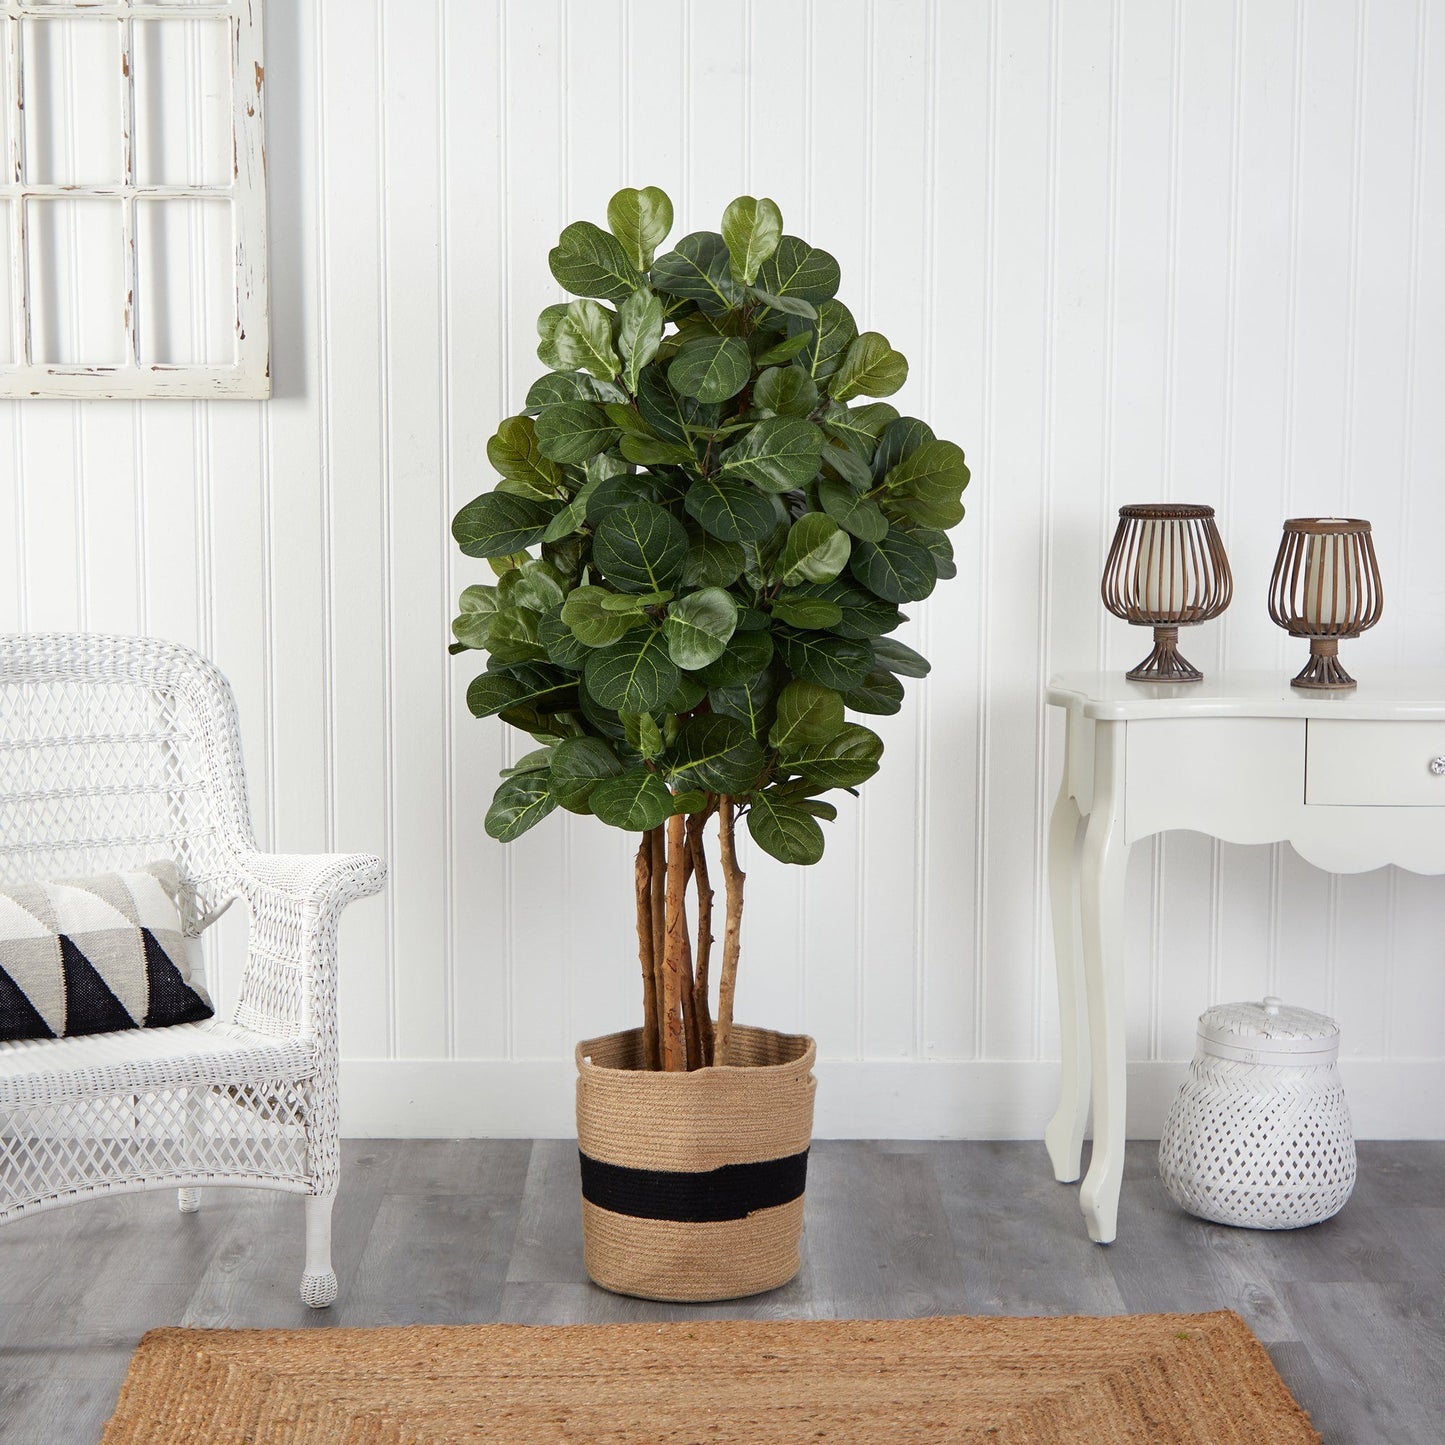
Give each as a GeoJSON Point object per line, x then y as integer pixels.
{"type": "Point", "coordinates": [1203, 1379]}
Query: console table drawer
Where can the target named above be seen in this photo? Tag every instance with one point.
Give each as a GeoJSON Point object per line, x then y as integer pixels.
{"type": "Point", "coordinates": [1375, 764]}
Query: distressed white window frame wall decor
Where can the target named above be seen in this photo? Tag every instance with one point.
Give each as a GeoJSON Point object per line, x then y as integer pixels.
{"type": "Point", "coordinates": [147, 277]}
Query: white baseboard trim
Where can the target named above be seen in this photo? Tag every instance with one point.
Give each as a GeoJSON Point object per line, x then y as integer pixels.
{"type": "Point", "coordinates": [989, 1099]}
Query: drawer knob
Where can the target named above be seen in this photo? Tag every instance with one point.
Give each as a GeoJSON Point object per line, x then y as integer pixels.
{"type": "Point", "coordinates": [1437, 766]}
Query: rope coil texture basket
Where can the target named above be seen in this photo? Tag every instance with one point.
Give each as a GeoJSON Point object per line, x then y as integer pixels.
{"type": "Point", "coordinates": [692, 1183]}
{"type": "Point", "coordinates": [1260, 1134]}
{"type": "Point", "coordinates": [116, 751]}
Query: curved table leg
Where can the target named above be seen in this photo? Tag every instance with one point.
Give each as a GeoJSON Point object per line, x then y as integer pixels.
{"type": "Point", "coordinates": [1064, 1134]}
{"type": "Point", "coordinates": [1105, 858]}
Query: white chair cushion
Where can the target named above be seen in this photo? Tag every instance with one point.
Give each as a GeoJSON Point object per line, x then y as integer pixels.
{"type": "Point", "coordinates": [38, 1071]}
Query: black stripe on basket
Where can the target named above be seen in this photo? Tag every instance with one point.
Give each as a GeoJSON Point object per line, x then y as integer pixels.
{"type": "Point", "coordinates": [731, 1192]}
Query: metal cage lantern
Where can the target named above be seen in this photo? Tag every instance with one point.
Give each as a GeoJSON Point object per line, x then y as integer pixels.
{"type": "Point", "coordinates": [1166, 569]}
{"type": "Point", "coordinates": [1326, 586]}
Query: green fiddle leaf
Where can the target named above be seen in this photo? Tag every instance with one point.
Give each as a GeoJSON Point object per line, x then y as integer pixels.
{"type": "Point", "coordinates": [513, 451]}
{"type": "Point", "coordinates": [562, 386]}
{"type": "Point", "coordinates": [785, 391]}
{"type": "Point", "coordinates": [899, 658]}
{"type": "Point", "coordinates": [536, 584]}
{"type": "Point", "coordinates": [784, 830]}
{"type": "Point", "coordinates": [622, 491]}
{"type": "Point", "coordinates": [748, 653]}
{"type": "Point", "coordinates": [830, 337]}
{"type": "Point", "coordinates": [864, 615]}
{"type": "Point", "coordinates": [799, 270]}
{"type": "Point", "coordinates": [644, 736]}
{"type": "Point", "coordinates": [634, 674]}
{"type": "Point", "coordinates": [926, 486]}
{"type": "Point", "coordinates": [562, 645]}
{"type": "Point", "coordinates": [571, 517]}
{"type": "Point", "coordinates": [588, 262]}
{"type": "Point", "coordinates": [637, 801]}
{"type": "Point", "coordinates": [668, 415]}
{"type": "Point", "coordinates": [850, 757]}
{"type": "Point", "coordinates": [633, 601]}
{"type": "Point", "coordinates": [734, 511]}
{"type": "Point", "coordinates": [711, 370]}
{"type": "Point", "coordinates": [640, 547]}
{"type": "Point", "coordinates": [750, 701]}
{"type": "Point", "coordinates": [711, 562]}
{"type": "Point", "coordinates": [699, 627]}
{"type": "Point", "coordinates": [816, 550]}
{"type": "Point", "coordinates": [717, 755]}
{"type": "Point", "coordinates": [699, 269]}
{"type": "Point", "coordinates": [478, 606]}
{"type": "Point", "coordinates": [549, 321]}
{"type": "Point", "coordinates": [573, 431]}
{"type": "Point", "coordinates": [652, 452]}
{"type": "Point", "coordinates": [859, 516]}
{"type": "Point", "coordinates": [782, 352]}
{"type": "Point", "coordinates": [519, 804]}
{"type": "Point", "coordinates": [583, 341]}
{"type": "Point", "coordinates": [859, 427]}
{"type": "Point", "coordinates": [513, 636]}
{"type": "Point", "coordinates": [807, 713]}
{"type": "Point", "coordinates": [785, 305]}
{"type": "Point", "coordinates": [832, 662]}
{"type": "Point", "coordinates": [578, 765]}
{"type": "Point", "coordinates": [689, 693]}
{"type": "Point", "coordinates": [751, 230]}
{"type": "Point", "coordinates": [806, 612]}
{"type": "Point", "coordinates": [779, 454]}
{"type": "Point", "coordinates": [871, 368]}
{"type": "Point", "coordinates": [500, 524]}
{"type": "Point", "coordinates": [537, 761]}
{"type": "Point", "coordinates": [897, 569]}
{"type": "Point", "coordinates": [591, 622]}
{"type": "Point", "coordinates": [543, 689]}
{"type": "Point", "coordinates": [941, 548]}
{"type": "Point", "coordinates": [640, 220]}
{"type": "Point", "coordinates": [879, 692]}
{"type": "Point", "coordinates": [639, 333]}
{"type": "Point", "coordinates": [897, 442]}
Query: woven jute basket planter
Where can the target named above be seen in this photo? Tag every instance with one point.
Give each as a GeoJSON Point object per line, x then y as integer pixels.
{"type": "Point", "coordinates": [692, 1183]}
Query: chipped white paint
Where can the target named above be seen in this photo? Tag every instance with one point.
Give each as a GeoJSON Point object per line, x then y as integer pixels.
{"type": "Point", "coordinates": [136, 376]}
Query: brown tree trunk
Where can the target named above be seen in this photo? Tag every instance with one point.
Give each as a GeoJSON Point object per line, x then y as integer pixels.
{"type": "Point", "coordinates": [733, 879]}
{"type": "Point", "coordinates": [658, 838]}
{"type": "Point", "coordinates": [702, 1006]}
{"type": "Point", "coordinates": [642, 871]}
{"type": "Point", "coordinates": [674, 946]}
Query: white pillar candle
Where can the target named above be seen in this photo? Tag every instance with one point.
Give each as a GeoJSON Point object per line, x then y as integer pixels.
{"type": "Point", "coordinates": [1162, 577]}
{"type": "Point", "coordinates": [1332, 580]}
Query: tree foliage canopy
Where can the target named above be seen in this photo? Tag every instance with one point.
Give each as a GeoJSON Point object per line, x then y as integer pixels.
{"type": "Point", "coordinates": [702, 534]}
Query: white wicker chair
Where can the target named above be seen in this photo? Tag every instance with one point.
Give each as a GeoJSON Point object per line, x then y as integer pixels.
{"type": "Point", "coordinates": [115, 751]}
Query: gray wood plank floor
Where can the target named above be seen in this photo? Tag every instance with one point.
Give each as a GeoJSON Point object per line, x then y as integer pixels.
{"type": "Point", "coordinates": [1353, 1311]}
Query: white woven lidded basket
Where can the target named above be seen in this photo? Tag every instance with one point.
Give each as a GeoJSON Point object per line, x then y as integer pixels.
{"type": "Point", "coordinates": [1260, 1133]}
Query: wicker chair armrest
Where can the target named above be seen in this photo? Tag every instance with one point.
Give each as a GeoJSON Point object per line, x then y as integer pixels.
{"type": "Point", "coordinates": [311, 878]}
{"type": "Point", "coordinates": [289, 985]}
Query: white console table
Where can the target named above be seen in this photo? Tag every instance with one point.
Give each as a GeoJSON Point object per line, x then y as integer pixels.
{"type": "Point", "coordinates": [1353, 780]}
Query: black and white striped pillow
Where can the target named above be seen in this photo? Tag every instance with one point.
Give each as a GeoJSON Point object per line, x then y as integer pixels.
{"type": "Point", "coordinates": [95, 955]}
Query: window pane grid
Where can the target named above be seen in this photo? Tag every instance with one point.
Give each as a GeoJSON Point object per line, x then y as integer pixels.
{"type": "Point", "coordinates": [246, 372]}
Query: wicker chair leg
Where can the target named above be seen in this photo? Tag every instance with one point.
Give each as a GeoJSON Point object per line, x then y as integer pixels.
{"type": "Point", "coordinates": [188, 1201]}
{"type": "Point", "coordinates": [318, 1283]}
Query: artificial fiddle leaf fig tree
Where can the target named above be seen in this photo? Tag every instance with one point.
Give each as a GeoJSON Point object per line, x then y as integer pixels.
{"type": "Point", "coordinates": [702, 535]}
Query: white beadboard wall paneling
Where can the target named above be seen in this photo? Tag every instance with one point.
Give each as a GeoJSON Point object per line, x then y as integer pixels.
{"type": "Point", "coordinates": [351, 425]}
{"type": "Point", "coordinates": [416, 523]}
{"type": "Point", "coordinates": [474, 202]}
{"type": "Point", "coordinates": [1184, 250]}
